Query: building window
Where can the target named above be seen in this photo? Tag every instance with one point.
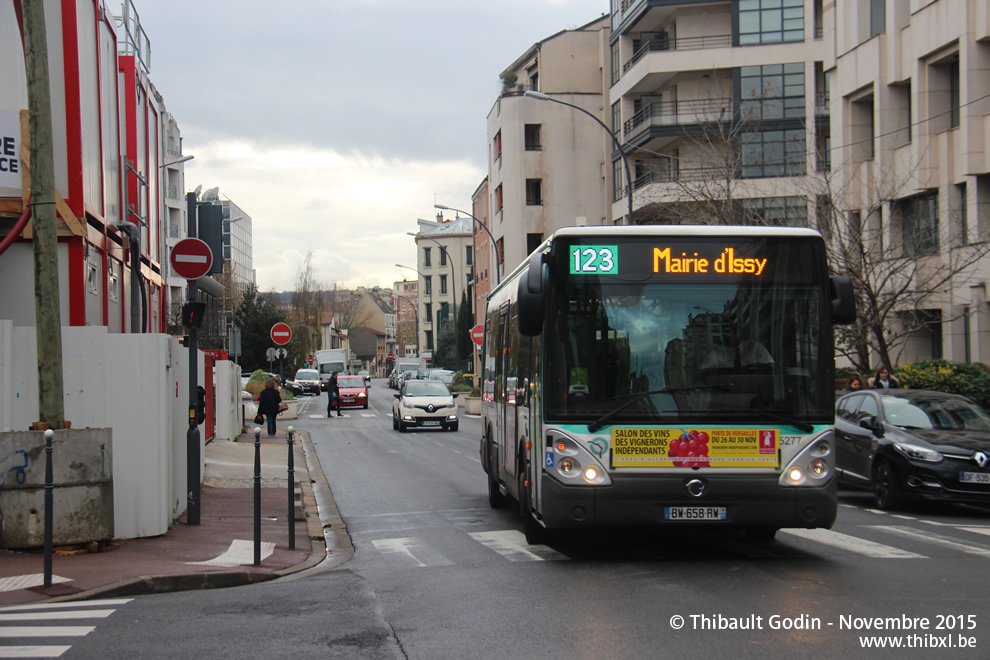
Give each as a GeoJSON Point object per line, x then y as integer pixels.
{"type": "Point", "coordinates": [954, 94]}
{"type": "Point", "coordinates": [498, 197]}
{"type": "Point", "coordinates": [426, 258]}
{"type": "Point", "coordinates": [918, 217]}
{"type": "Point", "coordinates": [428, 281]}
{"type": "Point", "coordinates": [468, 255]}
{"type": "Point", "coordinates": [534, 192]}
{"type": "Point", "coordinates": [443, 257]}
{"type": "Point", "coordinates": [429, 340]}
{"type": "Point", "coordinates": [616, 180]}
{"type": "Point", "coordinates": [500, 251]}
{"type": "Point", "coordinates": [428, 312]}
{"type": "Point", "coordinates": [616, 63]}
{"type": "Point", "coordinates": [770, 21]}
{"type": "Point", "coordinates": [963, 214]}
{"type": "Point", "coordinates": [443, 285]}
{"type": "Point", "coordinates": [531, 136]}
{"type": "Point", "coordinates": [773, 153]}
{"type": "Point", "coordinates": [617, 118]}
{"type": "Point", "coordinates": [498, 146]}
{"type": "Point", "coordinates": [878, 17]}
{"type": "Point", "coordinates": [533, 241]}
{"type": "Point", "coordinates": [773, 91]}
{"type": "Point", "coordinates": [776, 211]}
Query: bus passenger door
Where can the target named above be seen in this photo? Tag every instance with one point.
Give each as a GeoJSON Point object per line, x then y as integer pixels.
{"type": "Point", "coordinates": [500, 391]}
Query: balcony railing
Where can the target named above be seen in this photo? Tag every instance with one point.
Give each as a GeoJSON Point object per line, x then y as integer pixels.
{"type": "Point", "coordinates": [679, 174]}
{"type": "Point", "coordinates": [822, 104]}
{"type": "Point", "coordinates": [682, 43]}
{"type": "Point", "coordinates": [677, 113]}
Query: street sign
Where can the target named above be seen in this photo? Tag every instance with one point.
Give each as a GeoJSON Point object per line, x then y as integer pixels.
{"type": "Point", "coordinates": [391, 357]}
{"type": "Point", "coordinates": [191, 258]}
{"type": "Point", "coordinates": [282, 353]}
{"type": "Point", "coordinates": [478, 334]}
{"type": "Point", "coordinates": [281, 334]}
{"type": "Point", "coordinates": [271, 354]}
{"type": "Point", "coordinates": [310, 360]}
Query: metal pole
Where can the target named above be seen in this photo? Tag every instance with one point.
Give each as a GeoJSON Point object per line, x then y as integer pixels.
{"type": "Point", "coordinates": [257, 496]}
{"type": "Point", "coordinates": [193, 476]}
{"type": "Point", "coordinates": [49, 507]}
{"type": "Point", "coordinates": [292, 495]}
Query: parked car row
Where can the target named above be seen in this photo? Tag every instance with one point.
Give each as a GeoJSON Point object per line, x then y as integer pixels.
{"type": "Point", "coordinates": [913, 445]}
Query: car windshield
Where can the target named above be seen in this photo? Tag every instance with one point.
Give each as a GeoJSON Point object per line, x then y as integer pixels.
{"type": "Point", "coordinates": [307, 374]}
{"type": "Point", "coordinates": [426, 388]}
{"type": "Point", "coordinates": [944, 414]}
{"type": "Point", "coordinates": [350, 381]}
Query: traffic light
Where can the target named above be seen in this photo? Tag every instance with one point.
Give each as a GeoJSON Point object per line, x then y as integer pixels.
{"type": "Point", "coordinates": [200, 404]}
{"type": "Point", "coordinates": [192, 314]}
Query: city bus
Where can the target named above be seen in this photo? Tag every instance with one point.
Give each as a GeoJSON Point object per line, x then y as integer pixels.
{"type": "Point", "coordinates": [664, 376]}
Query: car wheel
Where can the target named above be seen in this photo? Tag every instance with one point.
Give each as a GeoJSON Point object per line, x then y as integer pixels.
{"type": "Point", "coordinates": [885, 492]}
{"type": "Point", "coordinates": [395, 422]}
{"type": "Point", "coordinates": [452, 427]}
{"type": "Point", "coordinates": [366, 406]}
{"type": "Point", "coordinates": [402, 427]}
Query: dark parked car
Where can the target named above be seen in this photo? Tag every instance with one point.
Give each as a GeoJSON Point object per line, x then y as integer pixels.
{"type": "Point", "coordinates": [913, 445]}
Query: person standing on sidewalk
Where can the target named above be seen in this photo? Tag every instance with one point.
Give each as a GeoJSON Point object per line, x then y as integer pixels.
{"type": "Point", "coordinates": [333, 395]}
{"type": "Point", "coordinates": [268, 402]}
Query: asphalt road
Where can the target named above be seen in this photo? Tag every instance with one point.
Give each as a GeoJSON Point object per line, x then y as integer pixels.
{"type": "Point", "coordinates": [437, 574]}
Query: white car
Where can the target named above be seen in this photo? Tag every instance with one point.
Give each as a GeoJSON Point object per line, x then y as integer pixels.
{"type": "Point", "coordinates": [424, 404]}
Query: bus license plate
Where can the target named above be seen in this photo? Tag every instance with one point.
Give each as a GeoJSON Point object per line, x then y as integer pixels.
{"type": "Point", "coordinates": [974, 477]}
{"type": "Point", "coordinates": [694, 513]}
{"type": "Point", "coordinates": [431, 422]}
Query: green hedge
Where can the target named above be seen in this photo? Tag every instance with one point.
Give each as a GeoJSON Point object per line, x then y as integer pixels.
{"type": "Point", "coordinates": [971, 380]}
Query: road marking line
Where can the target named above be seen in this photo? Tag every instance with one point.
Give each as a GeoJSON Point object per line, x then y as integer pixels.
{"type": "Point", "coordinates": [936, 539]}
{"type": "Point", "coordinates": [27, 581]}
{"type": "Point", "coordinates": [47, 631]}
{"type": "Point", "coordinates": [412, 548]}
{"type": "Point", "coordinates": [976, 529]}
{"type": "Point", "coordinates": [52, 616]}
{"type": "Point", "coordinates": [512, 545]}
{"type": "Point", "coordinates": [876, 511]}
{"type": "Point", "coordinates": [853, 544]}
{"type": "Point", "coordinates": [59, 606]}
{"type": "Point", "coordinates": [32, 651]}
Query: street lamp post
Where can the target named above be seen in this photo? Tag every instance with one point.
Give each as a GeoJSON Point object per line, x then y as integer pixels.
{"type": "Point", "coordinates": [480, 224]}
{"type": "Point", "coordinates": [453, 285]}
{"type": "Point", "coordinates": [418, 343]}
{"type": "Point", "coordinates": [540, 96]}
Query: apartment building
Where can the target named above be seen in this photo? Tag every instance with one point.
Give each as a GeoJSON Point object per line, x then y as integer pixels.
{"type": "Point", "coordinates": [444, 260]}
{"type": "Point", "coordinates": [910, 164]}
{"type": "Point", "coordinates": [406, 296]}
{"type": "Point", "coordinates": [546, 164]}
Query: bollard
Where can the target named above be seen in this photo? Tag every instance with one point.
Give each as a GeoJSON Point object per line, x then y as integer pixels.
{"type": "Point", "coordinates": [292, 495]}
{"type": "Point", "coordinates": [49, 507]}
{"type": "Point", "coordinates": [257, 496]}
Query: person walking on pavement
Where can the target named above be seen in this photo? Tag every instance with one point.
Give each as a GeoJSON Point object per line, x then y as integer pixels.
{"type": "Point", "coordinates": [333, 395]}
{"type": "Point", "coordinates": [268, 403]}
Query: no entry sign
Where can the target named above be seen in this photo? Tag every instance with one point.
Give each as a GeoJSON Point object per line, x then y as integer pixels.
{"type": "Point", "coordinates": [191, 258]}
{"type": "Point", "coordinates": [478, 334]}
{"type": "Point", "coordinates": [281, 334]}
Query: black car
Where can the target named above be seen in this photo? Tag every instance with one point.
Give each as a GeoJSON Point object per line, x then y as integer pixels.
{"type": "Point", "coordinates": [913, 445]}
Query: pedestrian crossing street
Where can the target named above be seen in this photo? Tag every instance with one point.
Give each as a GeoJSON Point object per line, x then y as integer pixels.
{"type": "Point", "coordinates": [892, 537]}
{"type": "Point", "coordinates": [46, 630]}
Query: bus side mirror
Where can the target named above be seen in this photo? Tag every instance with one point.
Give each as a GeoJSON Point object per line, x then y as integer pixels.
{"type": "Point", "coordinates": [843, 300]}
{"type": "Point", "coordinates": [532, 296]}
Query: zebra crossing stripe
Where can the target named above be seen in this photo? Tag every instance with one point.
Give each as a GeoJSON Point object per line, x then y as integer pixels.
{"type": "Point", "coordinates": [47, 631]}
{"type": "Point", "coordinates": [512, 545]}
{"type": "Point", "coordinates": [936, 539]}
{"type": "Point", "coordinates": [32, 651]}
{"type": "Point", "coordinates": [853, 544]}
{"type": "Point", "coordinates": [61, 606]}
{"type": "Point", "coordinates": [52, 616]}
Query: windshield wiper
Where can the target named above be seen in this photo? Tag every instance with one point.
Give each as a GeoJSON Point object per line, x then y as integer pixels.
{"type": "Point", "coordinates": [597, 424]}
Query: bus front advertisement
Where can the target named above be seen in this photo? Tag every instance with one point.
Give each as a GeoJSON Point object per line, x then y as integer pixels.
{"type": "Point", "coordinates": [624, 363]}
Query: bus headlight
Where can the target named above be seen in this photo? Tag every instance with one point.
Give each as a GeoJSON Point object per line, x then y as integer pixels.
{"type": "Point", "coordinates": [811, 466]}
{"type": "Point", "coordinates": [572, 463]}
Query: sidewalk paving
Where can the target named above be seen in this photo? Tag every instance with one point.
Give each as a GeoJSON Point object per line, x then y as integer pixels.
{"type": "Point", "coordinates": [219, 552]}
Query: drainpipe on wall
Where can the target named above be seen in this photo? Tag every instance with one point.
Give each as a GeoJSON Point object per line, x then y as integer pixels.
{"type": "Point", "coordinates": [138, 295]}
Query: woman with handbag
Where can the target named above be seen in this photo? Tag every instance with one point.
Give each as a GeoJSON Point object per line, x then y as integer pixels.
{"type": "Point", "coordinates": [333, 395]}
{"type": "Point", "coordinates": [269, 404]}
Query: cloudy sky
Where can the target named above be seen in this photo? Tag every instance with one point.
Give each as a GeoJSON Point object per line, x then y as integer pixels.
{"type": "Point", "coordinates": [335, 124]}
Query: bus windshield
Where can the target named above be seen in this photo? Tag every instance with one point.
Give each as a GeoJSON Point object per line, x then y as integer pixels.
{"type": "Point", "coordinates": [662, 336]}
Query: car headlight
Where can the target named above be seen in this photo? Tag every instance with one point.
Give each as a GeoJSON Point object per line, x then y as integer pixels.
{"type": "Point", "coordinates": [362, 395]}
{"type": "Point", "coordinates": [916, 453]}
